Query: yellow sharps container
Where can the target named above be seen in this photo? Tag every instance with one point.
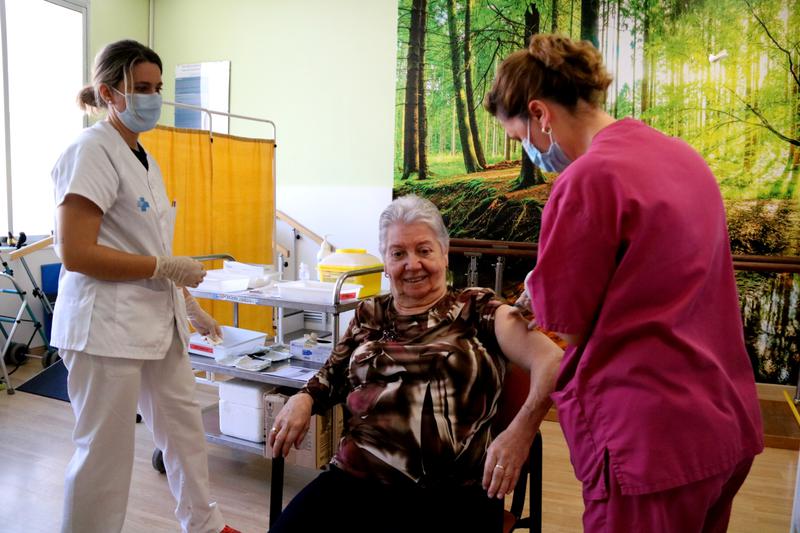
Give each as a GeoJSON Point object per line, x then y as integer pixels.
{"type": "Point", "coordinates": [347, 259]}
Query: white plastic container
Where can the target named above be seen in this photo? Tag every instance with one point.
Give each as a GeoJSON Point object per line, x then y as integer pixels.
{"type": "Point", "coordinates": [258, 275]}
{"type": "Point", "coordinates": [318, 352]}
{"type": "Point", "coordinates": [235, 341]}
{"type": "Point", "coordinates": [241, 409]}
{"type": "Point", "coordinates": [223, 281]}
{"type": "Point", "coordinates": [317, 292]}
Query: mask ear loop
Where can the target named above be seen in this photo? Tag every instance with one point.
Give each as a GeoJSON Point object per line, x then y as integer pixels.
{"type": "Point", "coordinates": [110, 102]}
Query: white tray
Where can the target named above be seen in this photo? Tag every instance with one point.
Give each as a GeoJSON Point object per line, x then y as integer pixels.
{"type": "Point", "coordinates": [317, 292]}
{"type": "Point", "coordinates": [235, 341]}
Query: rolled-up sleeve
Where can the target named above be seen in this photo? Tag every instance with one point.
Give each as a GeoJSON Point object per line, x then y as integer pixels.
{"type": "Point", "coordinates": [579, 245]}
{"type": "Point", "coordinates": [86, 169]}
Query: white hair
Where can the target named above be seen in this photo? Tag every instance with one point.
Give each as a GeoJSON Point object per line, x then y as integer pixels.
{"type": "Point", "coordinates": [409, 210]}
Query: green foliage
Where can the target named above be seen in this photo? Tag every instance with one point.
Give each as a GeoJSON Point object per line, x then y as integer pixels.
{"type": "Point", "coordinates": [713, 106]}
{"type": "Point", "coordinates": [440, 165]}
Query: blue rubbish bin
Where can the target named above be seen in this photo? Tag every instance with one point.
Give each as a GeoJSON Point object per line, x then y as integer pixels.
{"type": "Point", "coordinates": [50, 274]}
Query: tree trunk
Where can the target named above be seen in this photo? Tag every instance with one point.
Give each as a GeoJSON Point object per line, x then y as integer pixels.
{"type": "Point", "coordinates": [616, 64]}
{"type": "Point", "coordinates": [487, 130]}
{"type": "Point", "coordinates": [603, 28]}
{"type": "Point", "coordinates": [645, 61]}
{"type": "Point", "coordinates": [411, 120]}
{"type": "Point", "coordinates": [421, 114]}
{"type": "Point", "coordinates": [633, 69]}
{"type": "Point", "coordinates": [453, 131]}
{"type": "Point", "coordinates": [590, 10]}
{"type": "Point", "coordinates": [473, 121]}
{"type": "Point", "coordinates": [749, 149]}
{"type": "Point", "coordinates": [529, 174]}
{"type": "Point", "coordinates": [571, 17]}
{"type": "Point", "coordinates": [465, 135]}
{"type": "Point", "coordinates": [793, 164]}
{"type": "Point", "coordinates": [679, 8]}
{"type": "Point", "coordinates": [554, 15]}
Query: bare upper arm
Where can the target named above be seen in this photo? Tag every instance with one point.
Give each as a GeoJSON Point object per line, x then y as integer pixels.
{"type": "Point", "coordinates": [78, 221]}
{"type": "Point", "coordinates": [520, 344]}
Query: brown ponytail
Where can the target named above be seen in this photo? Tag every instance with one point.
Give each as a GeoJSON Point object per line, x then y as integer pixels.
{"type": "Point", "coordinates": [87, 99]}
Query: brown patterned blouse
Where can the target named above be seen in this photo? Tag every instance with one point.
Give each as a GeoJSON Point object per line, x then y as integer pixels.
{"type": "Point", "coordinates": [421, 389]}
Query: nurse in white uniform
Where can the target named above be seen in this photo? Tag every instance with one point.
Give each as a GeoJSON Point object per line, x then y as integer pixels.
{"type": "Point", "coordinates": [120, 316]}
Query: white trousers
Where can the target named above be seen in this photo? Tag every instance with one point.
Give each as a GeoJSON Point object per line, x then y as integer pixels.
{"type": "Point", "coordinates": [104, 393]}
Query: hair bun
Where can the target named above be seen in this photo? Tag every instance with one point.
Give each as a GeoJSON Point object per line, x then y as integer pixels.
{"type": "Point", "coordinates": [579, 62]}
{"type": "Point", "coordinates": [547, 50]}
{"type": "Point", "coordinates": [87, 99]}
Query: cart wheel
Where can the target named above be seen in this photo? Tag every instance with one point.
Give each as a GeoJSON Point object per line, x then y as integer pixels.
{"type": "Point", "coordinates": [158, 461]}
{"type": "Point", "coordinates": [17, 354]}
{"type": "Point", "coordinates": [139, 419]}
{"type": "Point", "coordinates": [50, 357]}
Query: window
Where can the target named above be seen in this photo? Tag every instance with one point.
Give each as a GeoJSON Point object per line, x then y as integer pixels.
{"type": "Point", "coordinates": [44, 44]}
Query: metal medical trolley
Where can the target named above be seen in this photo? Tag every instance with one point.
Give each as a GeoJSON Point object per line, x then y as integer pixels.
{"type": "Point", "coordinates": [207, 364]}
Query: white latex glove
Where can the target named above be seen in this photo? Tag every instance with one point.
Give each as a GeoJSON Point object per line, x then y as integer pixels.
{"type": "Point", "coordinates": [202, 321]}
{"type": "Point", "coordinates": [524, 300]}
{"type": "Point", "coordinates": [524, 303]}
{"type": "Point", "coordinates": [184, 271]}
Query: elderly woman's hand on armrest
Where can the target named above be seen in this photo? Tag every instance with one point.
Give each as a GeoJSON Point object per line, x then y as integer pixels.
{"type": "Point", "coordinates": [291, 424]}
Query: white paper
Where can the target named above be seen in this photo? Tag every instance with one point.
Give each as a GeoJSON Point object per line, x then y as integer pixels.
{"type": "Point", "coordinates": [294, 372]}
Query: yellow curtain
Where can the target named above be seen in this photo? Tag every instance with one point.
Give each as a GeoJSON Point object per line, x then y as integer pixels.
{"type": "Point", "coordinates": [224, 191]}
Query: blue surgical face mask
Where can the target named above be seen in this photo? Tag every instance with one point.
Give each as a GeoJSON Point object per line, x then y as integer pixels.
{"type": "Point", "coordinates": [553, 160]}
{"type": "Point", "coordinates": [142, 111]}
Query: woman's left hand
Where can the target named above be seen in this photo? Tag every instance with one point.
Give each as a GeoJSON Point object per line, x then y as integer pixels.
{"type": "Point", "coordinates": [200, 320]}
{"type": "Point", "coordinates": [206, 325]}
{"type": "Point", "coordinates": [291, 424]}
{"type": "Point", "coordinates": [504, 460]}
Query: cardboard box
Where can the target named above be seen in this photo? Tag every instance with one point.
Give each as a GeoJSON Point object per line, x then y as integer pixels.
{"type": "Point", "coordinates": [337, 430]}
{"type": "Point", "coordinates": [315, 450]}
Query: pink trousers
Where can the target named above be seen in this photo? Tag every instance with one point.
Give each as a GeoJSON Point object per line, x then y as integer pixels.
{"type": "Point", "coordinates": [700, 507]}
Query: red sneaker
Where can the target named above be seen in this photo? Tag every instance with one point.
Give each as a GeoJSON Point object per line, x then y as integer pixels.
{"type": "Point", "coordinates": [229, 529]}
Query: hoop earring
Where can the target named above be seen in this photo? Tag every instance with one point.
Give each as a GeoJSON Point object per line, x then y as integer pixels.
{"type": "Point", "coordinates": [386, 275]}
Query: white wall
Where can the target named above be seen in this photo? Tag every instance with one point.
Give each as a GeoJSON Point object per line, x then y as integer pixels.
{"type": "Point", "coordinates": [324, 71]}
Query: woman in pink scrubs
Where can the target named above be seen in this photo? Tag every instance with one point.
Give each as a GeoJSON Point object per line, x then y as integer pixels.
{"type": "Point", "coordinates": [655, 395]}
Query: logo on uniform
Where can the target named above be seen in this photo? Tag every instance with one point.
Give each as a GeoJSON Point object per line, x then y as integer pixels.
{"type": "Point", "coordinates": [142, 203]}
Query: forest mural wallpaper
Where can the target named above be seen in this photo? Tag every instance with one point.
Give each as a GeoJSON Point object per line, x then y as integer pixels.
{"type": "Point", "coordinates": [724, 75]}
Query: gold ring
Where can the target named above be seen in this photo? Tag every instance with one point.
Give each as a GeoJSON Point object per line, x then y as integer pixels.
{"type": "Point", "coordinates": [274, 430]}
{"type": "Point", "coordinates": [500, 467]}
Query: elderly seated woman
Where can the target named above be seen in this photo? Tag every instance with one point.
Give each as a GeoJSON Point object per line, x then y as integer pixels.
{"type": "Point", "coordinates": [420, 371]}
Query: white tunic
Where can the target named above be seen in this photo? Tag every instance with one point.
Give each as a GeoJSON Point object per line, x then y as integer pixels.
{"type": "Point", "coordinates": [132, 319]}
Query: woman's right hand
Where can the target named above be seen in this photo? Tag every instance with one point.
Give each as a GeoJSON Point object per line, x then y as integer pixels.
{"type": "Point", "coordinates": [291, 424]}
{"type": "Point", "coordinates": [184, 271]}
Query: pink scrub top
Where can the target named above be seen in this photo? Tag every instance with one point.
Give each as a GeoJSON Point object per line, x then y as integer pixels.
{"type": "Point", "coordinates": [634, 254]}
